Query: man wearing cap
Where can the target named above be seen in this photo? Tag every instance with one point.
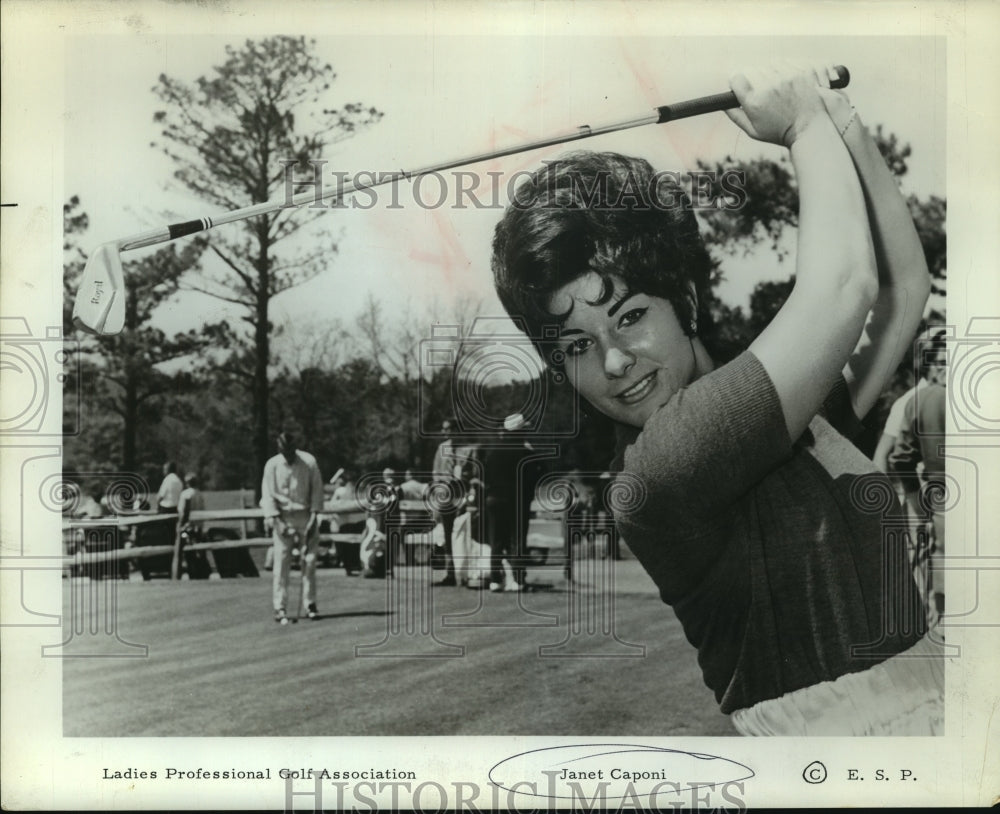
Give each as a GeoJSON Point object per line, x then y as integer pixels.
{"type": "Point", "coordinates": [292, 499]}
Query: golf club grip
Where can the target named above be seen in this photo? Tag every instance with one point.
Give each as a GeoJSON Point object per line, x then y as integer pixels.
{"type": "Point", "coordinates": [188, 227]}
{"type": "Point", "coordinates": [725, 101]}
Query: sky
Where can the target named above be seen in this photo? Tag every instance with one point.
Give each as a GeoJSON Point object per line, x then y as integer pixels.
{"type": "Point", "coordinates": [451, 95]}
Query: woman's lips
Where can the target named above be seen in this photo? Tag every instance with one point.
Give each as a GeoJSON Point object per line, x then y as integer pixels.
{"type": "Point", "coordinates": [638, 391]}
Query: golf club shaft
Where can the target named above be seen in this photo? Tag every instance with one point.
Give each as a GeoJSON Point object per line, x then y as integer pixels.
{"type": "Point", "coordinates": [302, 580]}
{"type": "Point", "coordinates": [659, 115]}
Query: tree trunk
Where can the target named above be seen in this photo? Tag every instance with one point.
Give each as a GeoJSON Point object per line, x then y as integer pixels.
{"type": "Point", "coordinates": [261, 428]}
{"type": "Point", "coordinates": [131, 405]}
{"type": "Point", "coordinates": [131, 425]}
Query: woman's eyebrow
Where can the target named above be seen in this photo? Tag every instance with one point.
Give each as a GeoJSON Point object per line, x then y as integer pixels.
{"type": "Point", "coordinates": [622, 300]}
{"type": "Point", "coordinates": [625, 297]}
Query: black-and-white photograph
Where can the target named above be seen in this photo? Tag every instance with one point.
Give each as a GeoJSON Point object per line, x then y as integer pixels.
{"type": "Point", "coordinates": [498, 411]}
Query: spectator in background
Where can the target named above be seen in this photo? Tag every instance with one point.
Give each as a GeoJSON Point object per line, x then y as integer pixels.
{"type": "Point", "coordinates": [186, 503]}
{"type": "Point", "coordinates": [904, 476]}
{"type": "Point", "coordinates": [531, 468]}
{"type": "Point", "coordinates": [162, 533]}
{"type": "Point", "coordinates": [614, 547]}
{"type": "Point", "coordinates": [195, 562]}
{"type": "Point", "coordinates": [893, 427]}
{"type": "Point", "coordinates": [345, 498]}
{"type": "Point", "coordinates": [894, 423]}
{"type": "Point", "coordinates": [292, 499]}
{"type": "Point", "coordinates": [411, 488]}
{"type": "Point", "coordinates": [169, 496]}
{"type": "Point", "coordinates": [92, 506]}
{"type": "Point", "coordinates": [917, 459]}
{"type": "Point", "coordinates": [462, 462]}
{"type": "Point", "coordinates": [444, 511]}
{"type": "Point", "coordinates": [502, 499]}
{"type": "Point", "coordinates": [468, 538]}
{"type": "Point", "coordinates": [465, 551]}
{"type": "Point", "coordinates": [379, 546]}
{"type": "Point", "coordinates": [345, 489]}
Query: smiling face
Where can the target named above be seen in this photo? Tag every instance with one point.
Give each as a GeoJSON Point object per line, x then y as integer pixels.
{"type": "Point", "coordinates": [627, 354]}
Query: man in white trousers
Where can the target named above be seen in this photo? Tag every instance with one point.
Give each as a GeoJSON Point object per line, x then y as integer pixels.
{"type": "Point", "coordinates": [292, 499]}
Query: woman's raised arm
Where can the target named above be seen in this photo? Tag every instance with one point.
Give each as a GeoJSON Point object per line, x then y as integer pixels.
{"type": "Point", "coordinates": [904, 282]}
{"type": "Point", "coordinates": [809, 342]}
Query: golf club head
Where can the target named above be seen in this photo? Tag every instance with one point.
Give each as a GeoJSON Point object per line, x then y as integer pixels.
{"type": "Point", "coordinates": [99, 307]}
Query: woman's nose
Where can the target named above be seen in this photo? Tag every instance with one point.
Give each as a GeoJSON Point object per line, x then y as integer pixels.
{"type": "Point", "coordinates": [617, 361]}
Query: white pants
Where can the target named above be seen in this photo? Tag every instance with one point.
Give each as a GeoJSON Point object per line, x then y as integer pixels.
{"type": "Point", "coordinates": [903, 695]}
{"type": "Point", "coordinates": [283, 544]}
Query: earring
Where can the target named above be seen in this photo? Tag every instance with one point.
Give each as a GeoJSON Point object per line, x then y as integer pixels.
{"type": "Point", "coordinates": [693, 328]}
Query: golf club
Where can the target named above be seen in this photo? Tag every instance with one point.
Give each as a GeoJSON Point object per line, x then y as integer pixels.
{"type": "Point", "coordinates": [302, 609]}
{"type": "Point", "coordinates": [99, 307]}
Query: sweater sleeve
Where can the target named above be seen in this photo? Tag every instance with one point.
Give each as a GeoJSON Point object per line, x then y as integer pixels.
{"type": "Point", "coordinates": [710, 443]}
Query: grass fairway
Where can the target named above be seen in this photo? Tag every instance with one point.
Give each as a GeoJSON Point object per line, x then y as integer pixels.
{"type": "Point", "coordinates": [218, 665]}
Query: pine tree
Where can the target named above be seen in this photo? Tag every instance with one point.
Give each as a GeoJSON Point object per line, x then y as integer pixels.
{"type": "Point", "coordinates": [232, 134]}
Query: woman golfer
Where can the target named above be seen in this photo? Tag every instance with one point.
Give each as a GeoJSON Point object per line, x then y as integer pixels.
{"type": "Point", "coordinates": [751, 524]}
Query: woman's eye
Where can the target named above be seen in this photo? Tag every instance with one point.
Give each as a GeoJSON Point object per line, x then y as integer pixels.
{"type": "Point", "coordinates": [631, 316]}
{"type": "Point", "coordinates": [577, 346]}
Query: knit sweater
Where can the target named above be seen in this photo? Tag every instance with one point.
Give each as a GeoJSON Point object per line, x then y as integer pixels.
{"type": "Point", "coordinates": [762, 546]}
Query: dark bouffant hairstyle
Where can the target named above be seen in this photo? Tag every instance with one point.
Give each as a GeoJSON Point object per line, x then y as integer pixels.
{"type": "Point", "coordinates": [601, 212]}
